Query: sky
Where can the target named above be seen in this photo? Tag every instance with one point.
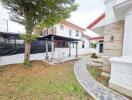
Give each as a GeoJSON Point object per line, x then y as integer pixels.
{"type": "Point", "coordinates": [86, 13]}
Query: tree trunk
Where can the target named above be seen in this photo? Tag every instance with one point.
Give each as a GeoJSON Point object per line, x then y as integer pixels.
{"type": "Point", "coordinates": [29, 30]}
{"type": "Point", "coordinates": [27, 51]}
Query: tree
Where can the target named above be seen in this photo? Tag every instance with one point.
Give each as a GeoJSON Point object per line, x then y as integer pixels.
{"type": "Point", "coordinates": [44, 13]}
{"type": "Point", "coordinates": [93, 45]}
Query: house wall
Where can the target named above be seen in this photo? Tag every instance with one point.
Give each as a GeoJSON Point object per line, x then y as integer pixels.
{"type": "Point", "coordinates": [112, 47]}
{"type": "Point", "coordinates": [111, 27]}
{"type": "Point", "coordinates": [109, 15]}
{"type": "Point", "coordinates": [120, 1]}
{"type": "Point", "coordinates": [12, 26]}
{"type": "Point", "coordinates": [86, 42]}
{"type": "Point", "coordinates": [65, 32]}
{"type": "Point", "coordinates": [59, 53]}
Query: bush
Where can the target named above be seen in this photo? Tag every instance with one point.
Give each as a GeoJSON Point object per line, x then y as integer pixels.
{"type": "Point", "coordinates": [94, 55]}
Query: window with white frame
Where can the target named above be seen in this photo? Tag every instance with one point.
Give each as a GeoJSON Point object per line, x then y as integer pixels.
{"type": "Point", "coordinates": [77, 33]}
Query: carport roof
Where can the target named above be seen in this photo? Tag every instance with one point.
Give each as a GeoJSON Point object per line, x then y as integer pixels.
{"type": "Point", "coordinates": [56, 37]}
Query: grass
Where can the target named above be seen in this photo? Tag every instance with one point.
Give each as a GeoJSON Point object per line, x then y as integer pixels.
{"type": "Point", "coordinates": [40, 82]}
{"type": "Point", "coordinates": [96, 73]}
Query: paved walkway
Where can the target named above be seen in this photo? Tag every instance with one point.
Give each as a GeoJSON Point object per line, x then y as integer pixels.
{"type": "Point", "coordinates": [94, 88]}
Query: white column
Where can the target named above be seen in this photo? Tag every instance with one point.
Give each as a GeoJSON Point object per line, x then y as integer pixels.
{"type": "Point", "coordinates": [70, 49]}
{"type": "Point", "coordinates": [52, 47]}
{"type": "Point", "coordinates": [97, 48]}
{"type": "Point", "coordinates": [76, 49]}
{"type": "Point", "coordinates": [46, 45]}
{"type": "Point", "coordinates": [127, 43]}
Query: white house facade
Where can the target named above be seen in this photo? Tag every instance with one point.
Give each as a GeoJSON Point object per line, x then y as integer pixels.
{"type": "Point", "coordinates": [116, 29]}
{"type": "Point", "coordinates": [68, 30]}
{"type": "Point", "coordinates": [6, 25]}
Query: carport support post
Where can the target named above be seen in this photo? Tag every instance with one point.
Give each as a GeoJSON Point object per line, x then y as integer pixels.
{"type": "Point", "coordinates": [46, 45]}
{"type": "Point", "coordinates": [70, 49]}
{"type": "Point", "coordinates": [15, 42]}
{"type": "Point", "coordinates": [52, 47]}
{"type": "Point", "coordinates": [76, 49]}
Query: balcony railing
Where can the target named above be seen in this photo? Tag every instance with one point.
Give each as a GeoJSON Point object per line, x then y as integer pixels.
{"type": "Point", "coordinates": [49, 31]}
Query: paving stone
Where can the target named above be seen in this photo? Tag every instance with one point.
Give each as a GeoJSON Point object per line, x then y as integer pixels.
{"type": "Point", "coordinates": [102, 97]}
{"type": "Point", "coordinates": [99, 91]}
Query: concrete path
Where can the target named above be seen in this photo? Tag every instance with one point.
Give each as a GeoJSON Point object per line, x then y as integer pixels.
{"type": "Point", "coordinates": [94, 88]}
{"type": "Point", "coordinates": [60, 60]}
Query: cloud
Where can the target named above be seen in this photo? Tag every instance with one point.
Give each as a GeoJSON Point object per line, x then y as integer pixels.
{"type": "Point", "coordinates": [88, 11]}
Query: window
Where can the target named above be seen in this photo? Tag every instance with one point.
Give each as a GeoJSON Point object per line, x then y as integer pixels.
{"type": "Point", "coordinates": [111, 38]}
{"type": "Point", "coordinates": [83, 44]}
{"type": "Point", "coordinates": [46, 32]}
{"type": "Point", "coordinates": [61, 44]}
{"type": "Point", "coordinates": [77, 33]}
{"type": "Point", "coordinates": [70, 31]}
{"type": "Point", "coordinates": [61, 26]}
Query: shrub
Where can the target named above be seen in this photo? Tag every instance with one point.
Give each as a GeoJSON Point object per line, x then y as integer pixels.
{"type": "Point", "coordinates": [94, 55]}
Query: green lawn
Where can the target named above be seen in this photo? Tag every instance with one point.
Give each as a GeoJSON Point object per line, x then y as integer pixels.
{"type": "Point", "coordinates": [96, 73]}
{"type": "Point", "coordinates": [40, 82]}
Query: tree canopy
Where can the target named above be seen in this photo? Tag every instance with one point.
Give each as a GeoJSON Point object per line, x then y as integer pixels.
{"type": "Point", "coordinates": [43, 12]}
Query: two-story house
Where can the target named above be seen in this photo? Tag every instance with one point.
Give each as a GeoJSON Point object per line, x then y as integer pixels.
{"type": "Point", "coordinates": [68, 30]}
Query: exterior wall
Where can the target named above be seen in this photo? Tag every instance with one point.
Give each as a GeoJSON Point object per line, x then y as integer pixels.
{"type": "Point", "coordinates": [109, 13]}
{"type": "Point", "coordinates": [112, 47]}
{"type": "Point", "coordinates": [120, 1]}
{"type": "Point", "coordinates": [65, 32]}
{"type": "Point", "coordinates": [64, 52]}
{"type": "Point", "coordinates": [119, 50]}
{"type": "Point", "coordinates": [4, 19]}
{"type": "Point", "coordinates": [86, 42]}
{"type": "Point", "coordinates": [59, 53]}
{"type": "Point", "coordinates": [110, 16]}
{"type": "Point", "coordinates": [121, 67]}
{"type": "Point", "coordinates": [3, 25]}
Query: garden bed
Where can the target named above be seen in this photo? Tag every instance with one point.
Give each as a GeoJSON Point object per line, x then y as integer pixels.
{"type": "Point", "coordinates": [96, 73]}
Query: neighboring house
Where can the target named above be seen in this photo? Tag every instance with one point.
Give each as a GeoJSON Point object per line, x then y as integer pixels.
{"type": "Point", "coordinates": [115, 26]}
{"type": "Point", "coordinates": [100, 43]}
{"type": "Point", "coordinates": [69, 30]}
{"type": "Point", "coordinates": [6, 25]}
{"type": "Point", "coordinates": [98, 39]}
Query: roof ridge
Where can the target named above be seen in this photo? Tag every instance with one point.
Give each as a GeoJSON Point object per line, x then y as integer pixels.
{"type": "Point", "coordinates": [96, 21]}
